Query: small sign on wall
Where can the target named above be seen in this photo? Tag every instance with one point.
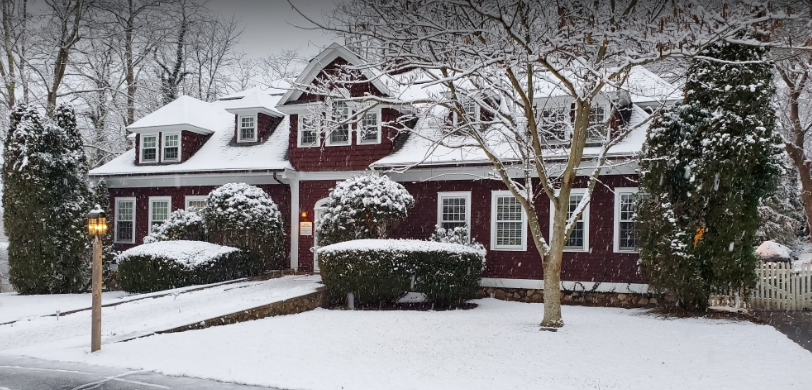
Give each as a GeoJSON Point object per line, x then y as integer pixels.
{"type": "Point", "coordinates": [306, 228]}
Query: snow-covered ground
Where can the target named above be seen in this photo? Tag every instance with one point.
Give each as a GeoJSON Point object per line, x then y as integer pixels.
{"type": "Point", "coordinates": [14, 307]}
{"type": "Point", "coordinates": [495, 346]}
{"type": "Point", "coordinates": [804, 254]}
{"type": "Point", "coordinates": [139, 317]}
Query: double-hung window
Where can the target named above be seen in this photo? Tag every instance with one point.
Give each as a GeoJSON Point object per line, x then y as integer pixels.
{"type": "Point", "coordinates": [149, 148]}
{"type": "Point", "coordinates": [308, 131]}
{"type": "Point", "coordinates": [554, 124]}
{"type": "Point", "coordinates": [625, 219]}
{"type": "Point", "coordinates": [454, 210]}
{"type": "Point", "coordinates": [370, 130]}
{"type": "Point", "coordinates": [125, 221]}
{"type": "Point", "coordinates": [171, 147]}
{"type": "Point", "coordinates": [508, 223]}
{"type": "Point", "coordinates": [195, 201]}
{"type": "Point", "coordinates": [578, 240]}
{"type": "Point", "coordinates": [471, 111]}
{"type": "Point", "coordinates": [597, 124]}
{"type": "Point", "coordinates": [248, 129]}
{"type": "Point", "coordinates": [159, 209]}
{"type": "Point", "coordinates": [340, 134]}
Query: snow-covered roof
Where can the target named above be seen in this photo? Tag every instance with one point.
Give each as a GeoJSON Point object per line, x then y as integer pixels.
{"type": "Point", "coordinates": [279, 88]}
{"type": "Point", "coordinates": [184, 113]}
{"type": "Point", "coordinates": [218, 153]}
{"type": "Point", "coordinates": [421, 148]}
{"type": "Point", "coordinates": [256, 101]}
{"type": "Point", "coordinates": [642, 85]}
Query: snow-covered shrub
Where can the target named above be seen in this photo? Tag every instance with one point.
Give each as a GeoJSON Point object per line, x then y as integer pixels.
{"type": "Point", "coordinates": [365, 206]}
{"type": "Point", "coordinates": [244, 216]}
{"type": "Point", "coordinates": [181, 225]}
{"type": "Point", "coordinates": [381, 271]}
{"type": "Point", "coordinates": [171, 264]}
{"type": "Point", "coordinates": [457, 235]}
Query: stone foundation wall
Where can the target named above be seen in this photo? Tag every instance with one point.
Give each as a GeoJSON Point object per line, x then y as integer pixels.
{"type": "Point", "coordinates": [587, 298]}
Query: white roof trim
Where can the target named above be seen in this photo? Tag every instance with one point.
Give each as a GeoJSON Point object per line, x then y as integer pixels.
{"type": "Point", "coordinates": [254, 110]}
{"type": "Point", "coordinates": [171, 128]}
{"type": "Point", "coordinates": [324, 58]}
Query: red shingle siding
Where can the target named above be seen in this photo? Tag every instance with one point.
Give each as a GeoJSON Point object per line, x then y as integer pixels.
{"type": "Point", "coordinates": [279, 193]}
{"type": "Point", "coordinates": [357, 88]}
{"type": "Point", "coordinates": [310, 192]}
{"type": "Point", "coordinates": [191, 143]}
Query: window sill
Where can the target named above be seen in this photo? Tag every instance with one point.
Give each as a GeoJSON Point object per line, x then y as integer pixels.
{"type": "Point", "coordinates": [369, 142]}
{"type": "Point", "coordinates": [503, 249]}
{"type": "Point", "coordinates": [308, 146]}
{"type": "Point", "coordinates": [329, 144]}
{"type": "Point", "coordinates": [575, 250]}
{"type": "Point", "coordinates": [629, 251]}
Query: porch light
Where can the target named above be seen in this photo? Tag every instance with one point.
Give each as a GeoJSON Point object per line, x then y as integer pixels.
{"type": "Point", "coordinates": [97, 222]}
{"type": "Point", "coordinates": [304, 215]}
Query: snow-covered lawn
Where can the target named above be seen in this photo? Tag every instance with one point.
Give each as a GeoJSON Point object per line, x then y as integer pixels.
{"type": "Point", "coordinates": [14, 307]}
{"type": "Point", "coordinates": [138, 317]}
{"type": "Point", "coordinates": [495, 346]}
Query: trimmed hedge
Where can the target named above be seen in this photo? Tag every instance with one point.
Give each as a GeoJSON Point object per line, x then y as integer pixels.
{"type": "Point", "coordinates": [380, 271]}
{"type": "Point", "coordinates": [171, 264]}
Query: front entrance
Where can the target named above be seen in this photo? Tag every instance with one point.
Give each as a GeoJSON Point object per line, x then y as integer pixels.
{"type": "Point", "coordinates": [318, 211]}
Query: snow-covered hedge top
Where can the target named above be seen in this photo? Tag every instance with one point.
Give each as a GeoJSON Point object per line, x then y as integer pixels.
{"type": "Point", "coordinates": [187, 253]}
{"type": "Point", "coordinates": [399, 246]}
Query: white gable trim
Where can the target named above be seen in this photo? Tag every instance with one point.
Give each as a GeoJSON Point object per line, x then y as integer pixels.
{"type": "Point", "coordinates": [325, 58]}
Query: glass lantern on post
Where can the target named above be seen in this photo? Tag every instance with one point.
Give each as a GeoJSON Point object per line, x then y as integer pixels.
{"type": "Point", "coordinates": [96, 227]}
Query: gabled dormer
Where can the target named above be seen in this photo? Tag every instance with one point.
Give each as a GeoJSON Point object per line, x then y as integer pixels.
{"type": "Point", "coordinates": [255, 117]}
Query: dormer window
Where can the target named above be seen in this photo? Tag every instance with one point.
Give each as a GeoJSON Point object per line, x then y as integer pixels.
{"type": "Point", "coordinates": [340, 134]}
{"type": "Point", "coordinates": [149, 148]}
{"type": "Point", "coordinates": [471, 111]}
{"type": "Point", "coordinates": [597, 124]}
{"type": "Point", "coordinates": [171, 147]}
{"type": "Point", "coordinates": [554, 124]}
{"type": "Point", "coordinates": [308, 131]}
{"type": "Point", "coordinates": [370, 132]}
{"type": "Point", "coordinates": [248, 129]}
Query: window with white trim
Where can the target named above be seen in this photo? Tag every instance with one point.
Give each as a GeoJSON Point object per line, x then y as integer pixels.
{"type": "Point", "coordinates": [195, 201]}
{"type": "Point", "coordinates": [248, 128]}
{"type": "Point", "coordinates": [308, 131]}
{"type": "Point", "coordinates": [340, 134]}
{"type": "Point", "coordinates": [370, 129]}
{"type": "Point", "coordinates": [555, 124]}
{"type": "Point", "coordinates": [125, 221]}
{"type": "Point", "coordinates": [626, 230]}
{"type": "Point", "coordinates": [171, 147]}
{"type": "Point", "coordinates": [471, 111]}
{"type": "Point", "coordinates": [454, 210]}
{"type": "Point", "coordinates": [597, 124]}
{"type": "Point", "coordinates": [149, 148]}
{"type": "Point", "coordinates": [578, 240]}
{"type": "Point", "coordinates": [159, 209]}
{"type": "Point", "coordinates": [508, 222]}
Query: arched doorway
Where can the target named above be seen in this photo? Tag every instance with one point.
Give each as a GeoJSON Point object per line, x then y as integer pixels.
{"type": "Point", "coordinates": [318, 210]}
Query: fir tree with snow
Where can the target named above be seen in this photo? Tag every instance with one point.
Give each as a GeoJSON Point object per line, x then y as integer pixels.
{"type": "Point", "coordinates": [365, 206]}
{"type": "Point", "coordinates": [782, 214]}
{"type": "Point", "coordinates": [705, 167]}
{"type": "Point", "coordinates": [245, 217]}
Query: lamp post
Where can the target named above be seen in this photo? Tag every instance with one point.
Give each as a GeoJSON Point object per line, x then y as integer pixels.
{"type": "Point", "coordinates": [96, 227]}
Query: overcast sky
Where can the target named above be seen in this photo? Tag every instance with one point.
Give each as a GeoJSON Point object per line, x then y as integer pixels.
{"type": "Point", "coordinates": [270, 25]}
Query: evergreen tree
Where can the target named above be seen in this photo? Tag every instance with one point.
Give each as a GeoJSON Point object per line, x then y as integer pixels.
{"type": "Point", "coordinates": [706, 166]}
{"type": "Point", "coordinates": [101, 197]}
{"type": "Point", "coordinates": [46, 202]}
{"type": "Point", "coordinates": [782, 214]}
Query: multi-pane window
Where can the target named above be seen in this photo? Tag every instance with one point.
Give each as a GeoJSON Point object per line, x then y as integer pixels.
{"type": "Point", "coordinates": [369, 128]}
{"type": "Point", "coordinates": [158, 212]}
{"type": "Point", "coordinates": [454, 210]}
{"type": "Point", "coordinates": [554, 124]}
{"type": "Point", "coordinates": [508, 229]}
{"type": "Point", "coordinates": [577, 239]}
{"type": "Point", "coordinates": [626, 232]}
{"type": "Point", "coordinates": [195, 202]}
{"type": "Point", "coordinates": [470, 108]}
{"type": "Point", "coordinates": [248, 129]}
{"type": "Point", "coordinates": [171, 147]}
{"type": "Point", "coordinates": [125, 220]}
{"type": "Point", "coordinates": [149, 148]}
{"type": "Point", "coordinates": [597, 124]}
{"type": "Point", "coordinates": [308, 132]}
{"type": "Point", "coordinates": [340, 135]}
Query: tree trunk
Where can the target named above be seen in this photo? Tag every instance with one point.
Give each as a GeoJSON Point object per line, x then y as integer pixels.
{"type": "Point", "coordinates": [795, 150]}
{"type": "Point", "coordinates": [552, 263]}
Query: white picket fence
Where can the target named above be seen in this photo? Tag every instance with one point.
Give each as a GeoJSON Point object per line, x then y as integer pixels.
{"type": "Point", "coordinates": [782, 287]}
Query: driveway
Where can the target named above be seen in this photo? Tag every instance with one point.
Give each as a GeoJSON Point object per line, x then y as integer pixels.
{"type": "Point", "coordinates": [22, 373]}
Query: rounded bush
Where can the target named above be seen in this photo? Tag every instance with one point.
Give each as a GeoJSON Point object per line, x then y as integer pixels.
{"type": "Point", "coordinates": [381, 271]}
{"type": "Point", "coordinates": [171, 264]}
{"type": "Point", "coordinates": [181, 225]}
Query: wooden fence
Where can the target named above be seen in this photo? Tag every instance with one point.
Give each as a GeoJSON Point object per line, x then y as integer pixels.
{"type": "Point", "coordinates": [782, 287]}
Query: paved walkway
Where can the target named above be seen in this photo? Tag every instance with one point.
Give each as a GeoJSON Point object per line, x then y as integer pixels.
{"type": "Point", "coordinates": [797, 325]}
{"type": "Point", "coordinates": [22, 373]}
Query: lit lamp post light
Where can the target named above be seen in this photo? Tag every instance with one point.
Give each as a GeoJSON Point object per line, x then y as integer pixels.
{"type": "Point", "coordinates": [97, 227]}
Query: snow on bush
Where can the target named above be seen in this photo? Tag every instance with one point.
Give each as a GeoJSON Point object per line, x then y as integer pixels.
{"type": "Point", "coordinates": [457, 235]}
{"type": "Point", "coordinates": [773, 251]}
{"type": "Point", "coordinates": [244, 216]}
{"type": "Point", "coordinates": [365, 206]}
{"type": "Point", "coordinates": [170, 264]}
{"type": "Point", "coordinates": [381, 271]}
{"type": "Point", "coordinates": [181, 225]}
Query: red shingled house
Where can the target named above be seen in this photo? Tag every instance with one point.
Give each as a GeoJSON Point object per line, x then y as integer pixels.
{"type": "Point", "coordinates": [263, 137]}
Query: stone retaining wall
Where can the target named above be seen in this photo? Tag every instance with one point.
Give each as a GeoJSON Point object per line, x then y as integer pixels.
{"type": "Point", "coordinates": [588, 298]}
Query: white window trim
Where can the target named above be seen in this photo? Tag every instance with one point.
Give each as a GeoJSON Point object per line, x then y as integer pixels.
{"type": "Point", "coordinates": [455, 194]}
{"type": "Point", "coordinates": [348, 142]}
{"type": "Point", "coordinates": [115, 220]}
{"type": "Point", "coordinates": [477, 112]}
{"type": "Point", "coordinates": [606, 115]}
{"type": "Point", "coordinates": [584, 216]}
{"type": "Point", "coordinates": [360, 126]}
{"type": "Point", "coordinates": [299, 129]}
{"type": "Point", "coordinates": [163, 146]}
{"type": "Point", "coordinates": [619, 191]}
{"type": "Point", "coordinates": [153, 199]}
{"type": "Point", "coordinates": [239, 128]}
{"type": "Point", "coordinates": [192, 198]}
{"type": "Point", "coordinates": [495, 195]}
{"type": "Point", "coordinates": [158, 150]}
